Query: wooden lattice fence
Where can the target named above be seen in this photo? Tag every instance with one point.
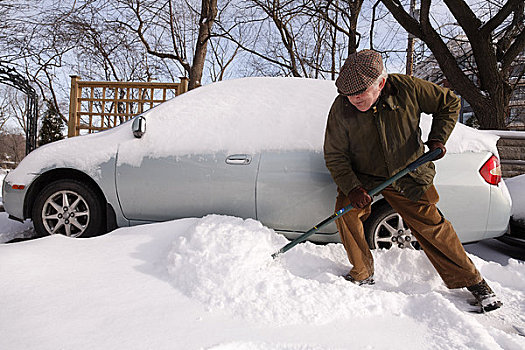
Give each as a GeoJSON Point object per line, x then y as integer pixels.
{"type": "Point", "coordinates": [100, 105]}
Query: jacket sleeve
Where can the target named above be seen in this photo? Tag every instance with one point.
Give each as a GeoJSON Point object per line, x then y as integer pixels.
{"type": "Point", "coordinates": [336, 153]}
{"type": "Point", "coordinates": [444, 106]}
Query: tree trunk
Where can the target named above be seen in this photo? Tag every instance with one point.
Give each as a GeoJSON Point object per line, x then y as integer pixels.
{"type": "Point", "coordinates": [207, 18]}
{"type": "Point", "coordinates": [355, 9]}
{"type": "Point", "coordinates": [492, 111]}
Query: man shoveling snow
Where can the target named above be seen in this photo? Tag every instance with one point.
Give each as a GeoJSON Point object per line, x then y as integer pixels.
{"type": "Point", "coordinates": [373, 132]}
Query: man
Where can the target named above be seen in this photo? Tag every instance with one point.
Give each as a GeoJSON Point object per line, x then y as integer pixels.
{"type": "Point", "coordinates": [372, 133]}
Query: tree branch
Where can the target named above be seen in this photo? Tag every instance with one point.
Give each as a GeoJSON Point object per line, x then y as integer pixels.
{"type": "Point", "coordinates": [514, 50]}
{"type": "Point", "coordinates": [408, 22]}
{"type": "Point", "coordinates": [502, 14]}
{"type": "Point", "coordinates": [465, 17]}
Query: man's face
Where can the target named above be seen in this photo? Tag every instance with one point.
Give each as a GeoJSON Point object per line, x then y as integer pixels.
{"type": "Point", "coordinates": [365, 100]}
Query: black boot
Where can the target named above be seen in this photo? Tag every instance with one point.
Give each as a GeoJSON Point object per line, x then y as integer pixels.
{"type": "Point", "coordinates": [485, 297]}
{"type": "Point", "coordinates": [368, 280]}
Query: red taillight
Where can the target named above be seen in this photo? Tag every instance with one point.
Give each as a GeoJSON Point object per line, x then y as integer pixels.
{"type": "Point", "coordinates": [491, 171]}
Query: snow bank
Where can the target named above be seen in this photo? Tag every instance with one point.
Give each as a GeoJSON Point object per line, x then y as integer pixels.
{"type": "Point", "coordinates": [225, 263]}
{"type": "Point", "coordinates": [516, 186]}
{"type": "Point", "coordinates": [210, 283]}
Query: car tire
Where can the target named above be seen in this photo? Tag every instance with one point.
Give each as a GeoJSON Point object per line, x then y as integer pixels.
{"type": "Point", "coordinates": [70, 208]}
{"type": "Point", "coordinates": [385, 229]}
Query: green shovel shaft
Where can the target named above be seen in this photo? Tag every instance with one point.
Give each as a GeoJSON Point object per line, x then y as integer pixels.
{"type": "Point", "coordinates": [411, 167]}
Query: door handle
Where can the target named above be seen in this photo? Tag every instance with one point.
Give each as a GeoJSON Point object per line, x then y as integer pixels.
{"type": "Point", "coordinates": [239, 159]}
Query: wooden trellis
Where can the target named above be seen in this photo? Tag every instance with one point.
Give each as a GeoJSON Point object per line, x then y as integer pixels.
{"type": "Point", "coordinates": [100, 105]}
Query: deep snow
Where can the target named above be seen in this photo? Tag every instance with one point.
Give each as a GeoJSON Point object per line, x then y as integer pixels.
{"type": "Point", "coordinates": [210, 283]}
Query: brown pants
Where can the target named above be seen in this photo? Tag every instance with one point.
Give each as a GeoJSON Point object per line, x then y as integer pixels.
{"type": "Point", "coordinates": [435, 235]}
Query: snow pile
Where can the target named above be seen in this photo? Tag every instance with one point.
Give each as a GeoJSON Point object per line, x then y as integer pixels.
{"type": "Point", "coordinates": [226, 263]}
{"type": "Point", "coordinates": [516, 187]}
{"type": "Point", "coordinates": [464, 138]}
{"type": "Point", "coordinates": [210, 283]}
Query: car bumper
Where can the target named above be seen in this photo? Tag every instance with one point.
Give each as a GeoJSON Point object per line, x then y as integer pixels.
{"type": "Point", "coordinates": [500, 211]}
{"type": "Point", "coordinates": [13, 199]}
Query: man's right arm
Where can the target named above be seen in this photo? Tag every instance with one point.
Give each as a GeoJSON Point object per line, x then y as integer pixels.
{"type": "Point", "coordinates": [336, 152]}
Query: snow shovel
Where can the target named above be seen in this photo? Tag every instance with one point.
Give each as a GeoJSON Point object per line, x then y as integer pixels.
{"type": "Point", "coordinates": [427, 157]}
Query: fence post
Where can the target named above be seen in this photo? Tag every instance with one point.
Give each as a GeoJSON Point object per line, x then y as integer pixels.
{"type": "Point", "coordinates": [73, 107]}
{"type": "Point", "coordinates": [183, 85]}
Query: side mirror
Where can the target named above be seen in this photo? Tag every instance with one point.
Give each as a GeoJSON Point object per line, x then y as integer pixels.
{"type": "Point", "coordinates": [139, 126]}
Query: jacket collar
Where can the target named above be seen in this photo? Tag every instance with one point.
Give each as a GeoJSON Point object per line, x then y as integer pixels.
{"type": "Point", "coordinates": [388, 94]}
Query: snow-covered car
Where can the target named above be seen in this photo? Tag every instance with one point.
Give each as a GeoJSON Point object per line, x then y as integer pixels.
{"type": "Point", "coordinates": [250, 148]}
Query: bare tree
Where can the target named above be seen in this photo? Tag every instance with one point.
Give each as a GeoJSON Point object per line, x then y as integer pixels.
{"type": "Point", "coordinates": [263, 30]}
{"type": "Point", "coordinates": [12, 147]}
{"type": "Point", "coordinates": [47, 40]}
{"type": "Point", "coordinates": [496, 38]}
{"type": "Point", "coordinates": [294, 37]}
{"type": "Point", "coordinates": [221, 58]}
{"type": "Point", "coordinates": [342, 15]}
{"type": "Point", "coordinates": [4, 113]}
{"type": "Point", "coordinates": [172, 30]}
{"type": "Point", "coordinates": [12, 110]}
{"type": "Point", "coordinates": [34, 46]}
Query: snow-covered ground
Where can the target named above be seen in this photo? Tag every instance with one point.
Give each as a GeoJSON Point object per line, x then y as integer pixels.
{"type": "Point", "coordinates": [210, 283]}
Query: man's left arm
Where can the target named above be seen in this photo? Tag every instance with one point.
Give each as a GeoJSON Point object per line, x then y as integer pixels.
{"type": "Point", "coordinates": [444, 106]}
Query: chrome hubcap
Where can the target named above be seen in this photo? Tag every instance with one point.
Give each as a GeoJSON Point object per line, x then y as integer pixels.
{"type": "Point", "coordinates": [65, 212]}
{"type": "Point", "coordinates": [392, 232]}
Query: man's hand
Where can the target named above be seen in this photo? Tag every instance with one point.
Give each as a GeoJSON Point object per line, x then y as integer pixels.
{"type": "Point", "coordinates": [359, 198]}
{"type": "Point", "coordinates": [433, 144]}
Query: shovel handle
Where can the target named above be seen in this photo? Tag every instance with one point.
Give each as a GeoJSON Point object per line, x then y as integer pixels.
{"type": "Point", "coordinates": [426, 157]}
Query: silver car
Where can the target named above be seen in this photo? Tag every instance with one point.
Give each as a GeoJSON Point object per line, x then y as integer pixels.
{"type": "Point", "coordinates": [250, 148]}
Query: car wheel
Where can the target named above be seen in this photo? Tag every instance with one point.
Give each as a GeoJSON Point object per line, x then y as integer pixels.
{"type": "Point", "coordinates": [385, 229]}
{"type": "Point", "coordinates": [70, 208]}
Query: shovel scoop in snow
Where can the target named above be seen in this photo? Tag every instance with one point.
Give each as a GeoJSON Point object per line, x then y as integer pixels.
{"type": "Point", "coordinates": [427, 157]}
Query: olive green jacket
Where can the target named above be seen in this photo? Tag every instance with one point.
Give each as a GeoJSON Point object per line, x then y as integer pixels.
{"type": "Point", "coordinates": [365, 148]}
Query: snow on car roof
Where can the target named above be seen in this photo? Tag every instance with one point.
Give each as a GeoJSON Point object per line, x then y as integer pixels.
{"type": "Point", "coordinates": [240, 116]}
{"type": "Point", "coordinates": [236, 116]}
{"type": "Point", "coordinates": [253, 114]}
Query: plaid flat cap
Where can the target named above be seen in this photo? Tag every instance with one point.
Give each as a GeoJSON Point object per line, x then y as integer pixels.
{"type": "Point", "coordinates": [360, 71]}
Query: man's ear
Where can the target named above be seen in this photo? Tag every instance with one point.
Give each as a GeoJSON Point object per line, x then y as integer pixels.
{"type": "Point", "coordinates": [382, 84]}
